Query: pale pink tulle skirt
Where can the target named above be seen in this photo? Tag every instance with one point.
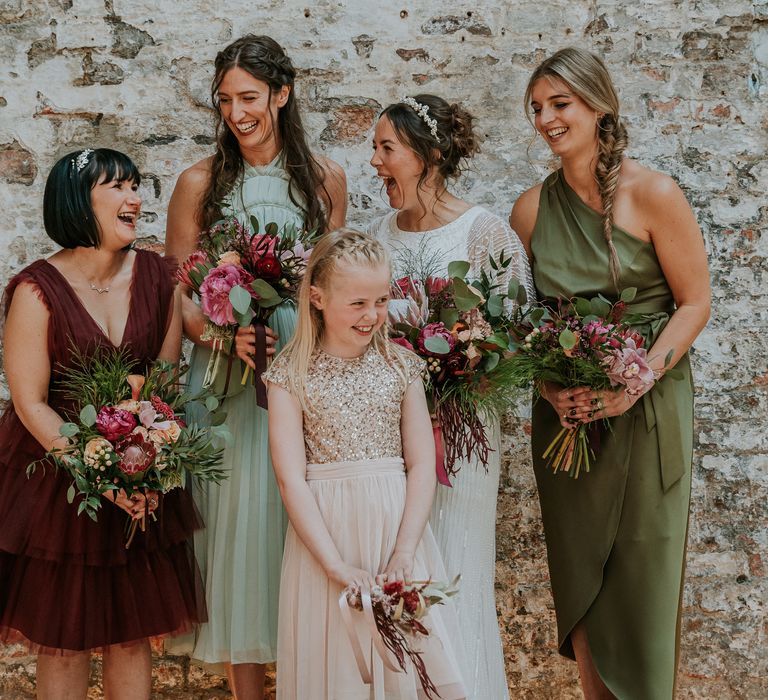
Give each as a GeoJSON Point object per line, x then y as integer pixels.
{"type": "Point", "coordinates": [362, 504]}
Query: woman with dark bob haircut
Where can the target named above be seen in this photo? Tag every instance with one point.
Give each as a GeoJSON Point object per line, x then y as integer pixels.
{"type": "Point", "coordinates": [263, 167]}
{"type": "Point", "coordinates": [68, 585]}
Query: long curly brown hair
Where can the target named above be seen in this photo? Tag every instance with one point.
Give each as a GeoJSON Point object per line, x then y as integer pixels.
{"type": "Point", "coordinates": [264, 59]}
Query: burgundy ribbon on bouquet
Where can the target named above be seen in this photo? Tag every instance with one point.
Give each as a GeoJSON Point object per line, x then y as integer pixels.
{"type": "Point", "coordinates": [260, 358]}
{"type": "Point", "coordinates": [442, 473]}
{"type": "Point", "coordinates": [367, 674]}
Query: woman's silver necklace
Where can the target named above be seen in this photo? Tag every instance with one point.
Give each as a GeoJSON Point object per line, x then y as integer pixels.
{"type": "Point", "coordinates": [100, 290]}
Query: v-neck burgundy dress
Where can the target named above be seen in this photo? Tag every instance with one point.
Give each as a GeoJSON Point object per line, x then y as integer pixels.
{"type": "Point", "coordinates": [66, 582]}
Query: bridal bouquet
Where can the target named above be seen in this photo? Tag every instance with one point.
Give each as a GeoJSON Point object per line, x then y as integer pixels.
{"type": "Point", "coordinates": [461, 328]}
{"type": "Point", "coordinates": [126, 432]}
{"type": "Point", "coordinates": [584, 342]}
{"type": "Point", "coordinates": [395, 611]}
{"type": "Point", "coordinates": [241, 275]}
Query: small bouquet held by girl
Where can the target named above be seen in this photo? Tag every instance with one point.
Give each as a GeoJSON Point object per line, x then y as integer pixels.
{"type": "Point", "coordinates": [460, 327]}
{"type": "Point", "coordinates": [125, 432]}
{"type": "Point", "coordinates": [394, 612]}
{"type": "Point", "coordinates": [581, 343]}
{"type": "Point", "coordinates": [241, 275]}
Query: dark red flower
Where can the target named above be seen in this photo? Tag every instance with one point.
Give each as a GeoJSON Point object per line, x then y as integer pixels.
{"type": "Point", "coordinates": [161, 407]}
{"type": "Point", "coordinates": [411, 601]}
{"type": "Point", "coordinates": [136, 455]}
{"type": "Point", "coordinates": [393, 588]}
{"type": "Point", "coordinates": [435, 285]}
{"type": "Point", "coordinates": [268, 268]}
{"type": "Point", "coordinates": [113, 423]}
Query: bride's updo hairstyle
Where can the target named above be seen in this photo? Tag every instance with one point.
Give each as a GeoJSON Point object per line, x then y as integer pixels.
{"type": "Point", "coordinates": [441, 135]}
{"type": "Point", "coordinates": [586, 75]}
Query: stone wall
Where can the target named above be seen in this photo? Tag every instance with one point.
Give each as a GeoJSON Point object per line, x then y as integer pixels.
{"type": "Point", "coordinates": [693, 76]}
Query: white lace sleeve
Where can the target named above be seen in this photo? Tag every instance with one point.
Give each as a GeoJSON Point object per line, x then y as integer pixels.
{"type": "Point", "coordinates": [490, 235]}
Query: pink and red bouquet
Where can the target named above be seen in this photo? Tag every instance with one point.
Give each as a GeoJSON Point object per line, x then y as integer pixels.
{"type": "Point", "coordinates": [395, 614]}
{"type": "Point", "coordinates": [126, 432]}
{"type": "Point", "coordinates": [241, 275]}
{"type": "Point", "coordinates": [582, 342]}
{"type": "Point", "coordinates": [460, 327]}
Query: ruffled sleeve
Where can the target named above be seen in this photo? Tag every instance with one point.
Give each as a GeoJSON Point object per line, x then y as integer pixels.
{"type": "Point", "coordinates": [489, 236]}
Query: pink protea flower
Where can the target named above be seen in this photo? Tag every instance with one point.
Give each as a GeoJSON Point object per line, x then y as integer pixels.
{"type": "Point", "coordinates": [114, 423]}
{"type": "Point", "coordinates": [629, 368]}
{"type": "Point", "coordinates": [197, 261]}
{"type": "Point", "coordinates": [214, 292]}
{"type": "Point", "coordinates": [435, 285]}
{"type": "Point", "coordinates": [432, 330]}
{"type": "Point", "coordinates": [136, 455]}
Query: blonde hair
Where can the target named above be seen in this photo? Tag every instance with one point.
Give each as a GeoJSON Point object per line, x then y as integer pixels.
{"type": "Point", "coordinates": [587, 76]}
{"type": "Point", "coordinates": [341, 247]}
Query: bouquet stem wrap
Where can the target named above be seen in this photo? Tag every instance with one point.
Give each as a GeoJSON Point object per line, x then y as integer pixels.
{"type": "Point", "coordinates": [440, 470]}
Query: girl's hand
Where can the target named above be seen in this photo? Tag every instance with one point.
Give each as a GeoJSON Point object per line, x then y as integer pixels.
{"type": "Point", "coordinates": [245, 344]}
{"type": "Point", "coordinates": [399, 568]}
{"type": "Point", "coordinates": [346, 575]}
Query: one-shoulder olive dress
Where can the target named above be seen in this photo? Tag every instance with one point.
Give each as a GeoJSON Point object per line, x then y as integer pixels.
{"type": "Point", "coordinates": [616, 535]}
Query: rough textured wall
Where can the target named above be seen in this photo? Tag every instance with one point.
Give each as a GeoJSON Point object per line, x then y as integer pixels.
{"type": "Point", "coordinates": [693, 76]}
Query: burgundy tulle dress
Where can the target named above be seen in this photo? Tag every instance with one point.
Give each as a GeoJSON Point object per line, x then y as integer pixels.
{"type": "Point", "coordinates": [68, 583]}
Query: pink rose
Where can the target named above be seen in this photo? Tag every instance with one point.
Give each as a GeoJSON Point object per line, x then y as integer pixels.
{"type": "Point", "coordinates": [434, 330]}
{"type": "Point", "coordinates": [214, 292]}
{"type": "Point", "coordinates": [113, 423]}
{"type": "Point", "coordinates": [136, 455]}
{"type": "Point", "coordinates": [403, 342]}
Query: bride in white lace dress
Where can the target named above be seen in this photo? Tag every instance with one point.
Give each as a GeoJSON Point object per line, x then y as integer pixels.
{"type": "Point", "coordinates": [419, 144]}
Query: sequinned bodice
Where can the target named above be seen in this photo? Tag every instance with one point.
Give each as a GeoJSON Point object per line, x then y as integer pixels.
{"type": "Point", "coordinates": [355, 405]}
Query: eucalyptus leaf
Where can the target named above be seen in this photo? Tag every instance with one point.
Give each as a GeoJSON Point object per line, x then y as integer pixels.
{"type": "Point", "coordinates": [491, 361]}
{"type": "Point", "coordinates": [255, 225]}
{"type": "Point", "coordinates": [437, 345]}
{"type": "Point", "coordinates": [88, 415]}
{"type": "Point", "coordinates": [243, 319]}
{"type": "Point", "coordinates": [536, 316]}
{"type": "Point", "coordinates": [583, 307]}
{"type": "Point", "coordinates": [589, 318]}
{"type": "Point", "coordinates": [628, 294]}
{"type": "Point", "coordinates": [69, 430]}
{"type": "Point", "coordinates": [240, 299]}
{"type": "Point", "coordinates": [495, 305]}
{"type": "Point", "coordinates": [600, 307]}
{"type": "Point", "coordinates": [458, 268]}
{"type": "Point", "coordinates": [271, 229]}
{"type": "Point", "coordinates": [71, 494]}
{"type": "Point", "coordinates": [265, 290]}
{"type": "Point", "coordinates": [567, 339]}
{"type": "Point", "coordinates": [500, 340]}
{"type": "Point", "coordinates": [211, 403]}
{"type": "Point", "coordinates": [466, 298]}
{"type": "Point", "coordinates": [218, 418]}
{"type": "Point", "coordinates": [449, 317]}
{"type": "Point", "coordinates": [522, 296]}
{"type": "Point", "coordinates": [513, 288]}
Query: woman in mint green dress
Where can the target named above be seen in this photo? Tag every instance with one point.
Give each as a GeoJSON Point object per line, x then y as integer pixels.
{"type": "Point", "coordinates": [263, 168]}
{"type": "Point", "coordinates": [616, 536]}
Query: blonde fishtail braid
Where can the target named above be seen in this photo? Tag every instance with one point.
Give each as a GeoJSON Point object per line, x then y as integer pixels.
{"type": "Point", "coordinates": [612, 141]}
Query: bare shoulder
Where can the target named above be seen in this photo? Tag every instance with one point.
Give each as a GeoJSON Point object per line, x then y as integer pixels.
{"type": "Point", "coordinates": [649, 189]}
{"type": "Point", "coordinates": [524, 213]}
{"type": "Point", "coordinates": [196, 177]}
{"type": "Point", "coordinates": [331, 169]}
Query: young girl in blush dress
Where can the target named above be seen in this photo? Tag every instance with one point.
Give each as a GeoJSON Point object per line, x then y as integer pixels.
{"type": "Point", "coordinates": [351, 445]}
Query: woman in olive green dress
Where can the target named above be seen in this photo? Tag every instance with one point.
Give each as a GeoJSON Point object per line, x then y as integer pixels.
{"type": "Point", "coordinates": [615, 536]}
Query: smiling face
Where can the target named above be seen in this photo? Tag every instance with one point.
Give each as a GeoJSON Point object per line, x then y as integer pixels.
{"type": "Point", "coordinates": [398, 165]}
{"type": "Point", "coordinates": [567, 123]}
{"type": "Point", "coordinates": [116, 205]}
{"type": "Point", "coordinates": [354, 306]}
{"type": "Point", "coordinates": [249, 110]}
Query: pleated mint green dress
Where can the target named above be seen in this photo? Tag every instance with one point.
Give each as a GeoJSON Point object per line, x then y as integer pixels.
{"type": "Point", "coordinates": [241, 548]}
{"type": "Point", "coordinates": [616, 535]}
